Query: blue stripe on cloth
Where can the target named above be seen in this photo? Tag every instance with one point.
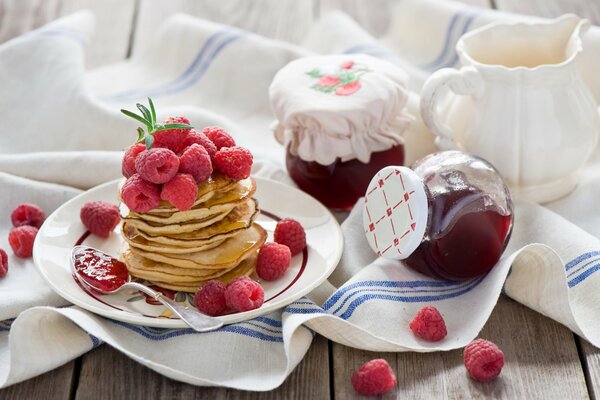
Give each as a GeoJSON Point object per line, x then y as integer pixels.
{"type": "Point", "coordinates": [447, 42]}
{"type": "Point", "coordinates": [159, 334]}
{"type": "Point", "coordinates": [399, 291]}
{"type": "Point", "coordinates": [454, 61]}
{"type": "Point", "coordinates": [95, 341]}
{"type": "Point", "coordinates": [269, 330]}
{"type": "Point", "coordinates": [387, 284]}
{"type": "Point", "coordinates": [297, 310]}
{"type": "Point", "coordinates": [583, 276]}
{"type": "Point", "coordinates": [583, 257]}
{"type": "Point", "coordinates": [404, 299]}
{"type": "Point", "coordinates": [578, 269]}
{"type": "Point", "coordinates": [193, 73]}
{"type": "Point", "coordinates": [269, 321]}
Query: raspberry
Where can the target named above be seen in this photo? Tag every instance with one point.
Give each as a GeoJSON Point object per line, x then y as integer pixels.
{"type": "Point", "coordinates": [195, 161]}
{"type": "Point", "coordinates": [428, 324]}
{"type": "Point", "coordinates": [244, 294]}
{"type": "Point", "coordinates": [200, 138]}
{"type": "Point", "coordinates": [290, 233]}
{"type": "Point", "coordinates": [172, 139]}
{"type": "Point", "coordinates": [483, 359]}
{"type": "Point", "coordinates": [374, 378]}
{"type": "Point", "coordinates": [233, 162]}
{"type": "Point", "coordinates": [140, 195]}
{"type": "Point", "coordinates": [181, 191]}
{"type": "Point", "coordinates": [128, 166]}
{"type": "Point", "coordinates": [21, 240]}
{"type": "Point", "coordinates": [273, 260]}
{"type": "Point", "coordinates": [210, 299]}
{"type": "Point", "coordinates": [3, 263]}
{"type": "Point", "coordinates": [99, 217]}
{"type": "Point", "coordinates": [157, 165]}
{"type": "Point", "coordinates": [27, 214]}
{"type": "Point", "coordinates": [219, 137]}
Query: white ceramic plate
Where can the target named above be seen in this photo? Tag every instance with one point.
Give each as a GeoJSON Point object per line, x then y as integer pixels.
{"type": "Point", "coordinates": [63, 229]}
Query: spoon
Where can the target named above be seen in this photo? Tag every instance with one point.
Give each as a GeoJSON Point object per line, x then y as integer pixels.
{"type": "Point", "coordinates": [105, 274]}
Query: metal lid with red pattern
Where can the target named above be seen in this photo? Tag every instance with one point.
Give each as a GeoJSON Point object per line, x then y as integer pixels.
{"type": "Point", "coordinates": [395, 212]}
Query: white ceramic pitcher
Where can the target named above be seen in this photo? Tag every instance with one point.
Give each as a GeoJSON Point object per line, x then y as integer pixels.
{"type": "Point", "coordinates": [522, 106]}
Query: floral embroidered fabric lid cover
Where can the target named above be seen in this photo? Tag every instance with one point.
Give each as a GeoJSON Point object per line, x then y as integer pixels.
{"type": "Point", "coordinates": [346, 106]}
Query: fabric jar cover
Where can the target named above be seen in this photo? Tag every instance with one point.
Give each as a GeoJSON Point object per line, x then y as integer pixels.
{"type": "Point", "coordinates": [339, 106]}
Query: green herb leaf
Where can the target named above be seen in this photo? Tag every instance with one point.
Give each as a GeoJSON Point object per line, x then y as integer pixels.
{"type": "Point", "coordinates": [141, 135]}
{"type": "Point", "coordinates": [149, 141]}
{"type": "Point", "coordinates": [136, 117]}
{"type": "Point", "coordinates": [145, 113]}
{"type": "Point", "coordinates": [164, 127]}
{"type": "Point", "coordinates": [152, 111]}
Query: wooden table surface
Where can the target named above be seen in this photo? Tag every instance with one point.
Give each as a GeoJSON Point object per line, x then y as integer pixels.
{"type": "Point", "coordinates": [544, 360]}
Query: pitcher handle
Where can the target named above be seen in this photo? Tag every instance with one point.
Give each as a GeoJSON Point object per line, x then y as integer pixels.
{"type": "Point", "coordinates": [466, 81]}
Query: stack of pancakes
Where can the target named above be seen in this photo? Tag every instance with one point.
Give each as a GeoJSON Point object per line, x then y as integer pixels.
{"type": "Point", "coordinates": [216, 239]}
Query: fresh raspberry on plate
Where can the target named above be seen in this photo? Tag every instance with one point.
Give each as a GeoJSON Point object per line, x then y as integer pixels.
{"type": "Point", "coordinates": [374, 378]}
{"type": "Point", "coordinates": [200, 138]}
{"type": "Point", "coordinates": [244, 294]}
{"type": "Point", "coordinates": [483, 359]}
{"type": "Point", "coordinates": [128, 166]}
{"type": "Point", "coordinates": [157, 165]}
{"type": "Point", "coordinates": [99, 217]}
{"type": "Point", "coordinates": [428, 324]}
{"type": "Point", "coordinates": [233, 162]}
{"type": "Point", "coordinates": [21, 240]}
{"type": "Point", "coordinates": [289, 232]}
{"type": "Point", "coordinates": [210, 299]}
{"type": "Point", "coordinates": [181, 191]}
{"type": "Point", "coordinates": [219, 137]}
{"type": "Point", "coordinates": [27, 214]}
{"type": "Point", "coordinates": [140, 195]}
{"type": "Point", "coordinates": [3, 263]}
{"type": "Point", "coordinates": [195, 161]}
{"type": "Point", "coordinates": [172, 138]}
{"type": "Point", "coordinates": [273, 260]}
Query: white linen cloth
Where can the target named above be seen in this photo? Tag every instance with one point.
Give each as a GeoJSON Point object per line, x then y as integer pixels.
{"type": "Point", "coordinates": [61, 132]}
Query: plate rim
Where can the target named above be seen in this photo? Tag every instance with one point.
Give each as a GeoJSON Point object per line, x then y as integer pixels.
{"type": "Point", "coordinates": [141, 320]}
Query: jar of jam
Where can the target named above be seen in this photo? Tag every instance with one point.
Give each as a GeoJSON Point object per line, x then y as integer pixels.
{"type": "Point", "coordinates": [341, 118]}
{"type": "Point", "coordinates": [448, 217]}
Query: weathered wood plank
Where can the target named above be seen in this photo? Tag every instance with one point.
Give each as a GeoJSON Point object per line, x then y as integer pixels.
{"type": "Point", "coordinates": [53, 385]}
{"type": "Point", "coordinates": [108, 374]}
{"type": "Point", "coordinates": [553, 8]}
{"type": "Point", "coordinates": [113, 23]}
{"type": "Point", "coordinates": [287, 20]}
{"type": "Point", "coordinates": [541, 361]}
{"type": "Point", "coordinates": [591, 365]}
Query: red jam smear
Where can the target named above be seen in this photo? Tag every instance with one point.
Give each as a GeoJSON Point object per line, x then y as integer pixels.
{"type": "Point", "coordinates": [100, 270]}
{"type": "Point", "coordinates": [461, 242]}
{"type": "Point", "coordinates": [340, 184]}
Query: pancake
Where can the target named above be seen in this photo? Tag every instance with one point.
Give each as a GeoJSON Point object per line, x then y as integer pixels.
{"type": "Point", "coordinates": [229, 253]}
{"type": "Point", "coordinates": [246, 267]}
{"type": "Point", "coordinates": [240, 217]}
{"type": "Point", "coordinates": [198, 214]}
{"type": "Point", "coordinates": [158, 229]}
{"type": "Point", "coordinates": [132, 236]}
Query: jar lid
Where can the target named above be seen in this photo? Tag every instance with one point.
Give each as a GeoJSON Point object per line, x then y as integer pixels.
{"type": "Point", "coordinates": [395, 212]}
{"type": "Point", "coordinates": [343, 106]}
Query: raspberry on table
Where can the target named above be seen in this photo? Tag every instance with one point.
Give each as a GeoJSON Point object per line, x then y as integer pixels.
{"type": "Point", "coordinates": [200, 138]}
{"type": "Point", "coordinates": [244, 294]}
{"type": "Point", "coordinates": [428, 324]}
{"type": "Point", "coordinates": [483, 359]}
{"type": "Point", "coordinates": [289, 232]}
{"type": "Point", "coordinates": [195, 161]}
{"type": "Point", "coordinates": [374, 378]}
{"type": "Point", "coordinates": [172, 139]}
{"type": "Point", "coordinates": [21, 240]}
{"type": "Point", "coordinates": [181, 191]}
{"type": "Point", "coordinates": [3, 263]}
{"type": "Point", "coordinates": [128, 166]}
{"type": "Point", "coordinates": [219, 137]}
{"type": "Point", "coordinates": [140, 195]}
{"type": "Point", "coordinates": [99, 217]}
{"type": "Point", "coordinates": [273, 260]}
{"type": "Point", "coordinates": [233, 162]}
{"type": "Point", "coordinates": [27, 214]}
{"type": "Point", "coordinates": [210, 299]}
{"type": "Point", "coordinates": [157, 165]}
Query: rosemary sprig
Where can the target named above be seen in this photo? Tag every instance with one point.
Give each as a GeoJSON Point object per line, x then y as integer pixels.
{"type": "Point", "coordinates": [148, 118]}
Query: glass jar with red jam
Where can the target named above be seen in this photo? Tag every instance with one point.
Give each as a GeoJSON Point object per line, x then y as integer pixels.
{"type": "Point", "coordinates": [448, 217]}
{"type": "Point", "coordinates": [341, 118]}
